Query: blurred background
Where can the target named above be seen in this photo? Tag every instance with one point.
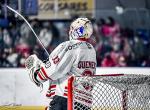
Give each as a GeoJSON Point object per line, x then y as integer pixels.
{"type": "Point", "coordinates": [121, 29]}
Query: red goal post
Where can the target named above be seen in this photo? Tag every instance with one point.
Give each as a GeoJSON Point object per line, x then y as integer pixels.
{"type": "Point", "coordinates": [110, 92]}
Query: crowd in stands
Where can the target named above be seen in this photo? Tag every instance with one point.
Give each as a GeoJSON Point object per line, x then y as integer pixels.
{"type": "Point", "coordinates": [115, 46]}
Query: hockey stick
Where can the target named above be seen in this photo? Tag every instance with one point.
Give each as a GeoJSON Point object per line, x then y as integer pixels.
{"type": "Point", "coordinates": [29, 27]}
{"type": "Point", "coordinates": [41, 86]}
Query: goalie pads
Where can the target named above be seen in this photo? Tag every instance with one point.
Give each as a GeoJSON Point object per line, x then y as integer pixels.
{"type": "Point", "coordinates": [33, 65]}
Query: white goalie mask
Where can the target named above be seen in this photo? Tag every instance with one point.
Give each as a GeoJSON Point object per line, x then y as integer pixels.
{"type": "Point", "coordinates": [80, 28]}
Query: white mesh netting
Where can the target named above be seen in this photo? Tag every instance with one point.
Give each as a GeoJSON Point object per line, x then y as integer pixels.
{"type": "Point", "coordinates": [112, 92]}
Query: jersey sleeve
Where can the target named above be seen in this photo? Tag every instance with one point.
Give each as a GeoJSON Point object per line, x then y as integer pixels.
{"type": "Point", "coordinates": [59, 64]}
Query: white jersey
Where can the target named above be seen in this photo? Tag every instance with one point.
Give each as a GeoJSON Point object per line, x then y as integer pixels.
{"type": "Point", "coordinates": [75, 57]}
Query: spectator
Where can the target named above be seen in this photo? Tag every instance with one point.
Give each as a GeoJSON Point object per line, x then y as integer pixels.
{"type": "Point", "coordinates": [108, 61]}
{"type": "Point", "coordinates": [110, 28]}
{"type": "Point", "coordinates": [1, 40]}
{"type": "Point", "coordinates": [7, 39]}
{"type": "Point", "coordinates": [125, 47]}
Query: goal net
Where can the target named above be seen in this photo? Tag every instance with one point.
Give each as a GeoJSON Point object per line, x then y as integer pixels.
{"type": "Point", "coordinates": [109, 92]}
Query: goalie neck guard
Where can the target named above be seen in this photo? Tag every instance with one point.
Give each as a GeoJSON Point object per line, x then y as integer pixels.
{"type": "Point", "coordinates": [80, 28]}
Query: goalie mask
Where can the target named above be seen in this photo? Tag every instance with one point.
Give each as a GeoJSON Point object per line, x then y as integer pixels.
{"type": "Point", "coordinates": [80, 28]}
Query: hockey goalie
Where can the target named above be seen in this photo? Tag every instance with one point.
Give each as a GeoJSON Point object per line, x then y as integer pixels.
{"type": "Point", "coordinates": [75, 57]}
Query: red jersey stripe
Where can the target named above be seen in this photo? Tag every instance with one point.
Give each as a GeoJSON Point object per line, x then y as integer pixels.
{"type": "Point", "coordinates": [65, 94]}
{"type": "Point", "coordinates": [44, 73]}
{"type": "Point", "coordinates": [52, 87]}
{"type": "Point", "coordinates": [51, 94]}
{"type": "Point", "coordinates": [66, 87]}
{"type": "Point", "coordinates": [40, 76]}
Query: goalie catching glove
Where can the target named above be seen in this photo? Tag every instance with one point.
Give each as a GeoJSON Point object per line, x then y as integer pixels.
{"type": "Point", "coordinates": [33, 65]}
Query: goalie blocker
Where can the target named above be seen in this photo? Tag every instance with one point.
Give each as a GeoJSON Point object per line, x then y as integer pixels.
{"type": "Point", "coordinates": [76, 57]}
